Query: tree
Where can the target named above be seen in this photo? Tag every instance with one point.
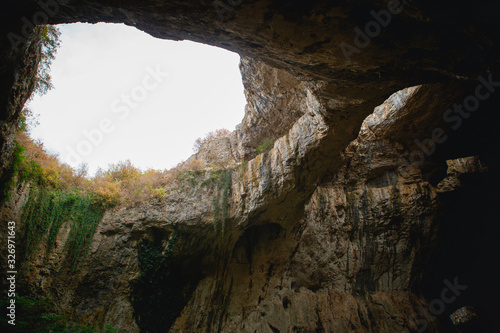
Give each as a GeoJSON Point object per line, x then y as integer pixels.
{"type": "Point", "coordinates": [27, 120]}
{"type": "Point", "coordinates": [50, 37]}
{"type": "Point", "coordinates": [220, 133]}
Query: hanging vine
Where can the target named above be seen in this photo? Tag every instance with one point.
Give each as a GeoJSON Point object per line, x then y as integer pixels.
{"type": "Point", "coordinates": [47, 210]}
{"type": "Point", "coordinates": [220, 201]}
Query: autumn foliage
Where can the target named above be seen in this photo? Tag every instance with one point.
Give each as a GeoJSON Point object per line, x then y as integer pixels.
{"type": "Point", "coordinates": [220, 133]}
{"type": "Point", "coordinates": [121, 184]}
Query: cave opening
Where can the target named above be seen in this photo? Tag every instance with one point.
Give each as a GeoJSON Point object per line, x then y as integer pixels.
{"type": "Point", "coordinates": [415, 49]}
{"type": "Point", "coordinates": [120, 94]}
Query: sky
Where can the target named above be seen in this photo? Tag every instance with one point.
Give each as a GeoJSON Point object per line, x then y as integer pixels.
{"type": "Point", "coordinates": [121, 94]}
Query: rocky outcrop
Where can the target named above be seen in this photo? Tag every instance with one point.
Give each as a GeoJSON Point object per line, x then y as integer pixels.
{"type": "Point", "coordinates": [275, 100]}
{"type": "Point", "coordinates": [356, 251]}
{"type": "Point", "coordinates": [218, 152]}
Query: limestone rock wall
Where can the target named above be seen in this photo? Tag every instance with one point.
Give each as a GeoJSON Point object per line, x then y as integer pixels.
{"type": "Point", "coordinates": [346, 261]}
{"type": "Point", "coordinates": [275, 100]}
{"type": "Point", "coordinates": [348, 264]}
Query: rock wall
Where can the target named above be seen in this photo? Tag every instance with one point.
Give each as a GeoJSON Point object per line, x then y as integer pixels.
{"type": "Point", "coordinates": [19, 67]}
{"type": "Point", "coordinates": [275, 100]}
{"type": "Point", "coordinates": [347, 265]}
{"type": "Point", "coordinates": [349, 259]}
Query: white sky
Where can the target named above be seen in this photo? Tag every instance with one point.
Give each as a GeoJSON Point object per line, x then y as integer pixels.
{"type": "Point", "coordinates": [98, 64]}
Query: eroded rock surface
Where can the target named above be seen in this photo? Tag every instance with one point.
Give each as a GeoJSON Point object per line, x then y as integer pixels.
{"type": "Point", "coordinates": [347, 260]}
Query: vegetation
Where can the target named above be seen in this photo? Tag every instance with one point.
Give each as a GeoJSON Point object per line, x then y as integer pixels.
{"type": "Point", "coordinates": [17, 157]}
{"type": "Point", "coordinates": [217, 134]}
{"type": "Point", "coordinates": [50, 37]}
{"type": "Point", "coordinates": [156, 299]}
{"type": "Point", "coordinates": [39, 315]}
{"type": "Point", "coordinates": [125, 184]}
{"type": "Point", "coordinates": [59, 194]}
{"type": "Point", "coordinates": [50, 42]}
{"type": "Point", "coordinates": [265, 145]}
{"type": "Point", "coordinates": [48, 209]}
{"type": "Point", "coordinates": [191, 176]}
{"type": "Point", "coordinates": [27, 120]}
{"type": "Point", "coordinates": [220, 202]}
{"type": "Point", "coordinates": [242, 164]}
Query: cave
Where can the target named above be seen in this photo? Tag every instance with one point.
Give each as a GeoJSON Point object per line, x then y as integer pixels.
{"type": "Point", "coordinates": [375, 208]}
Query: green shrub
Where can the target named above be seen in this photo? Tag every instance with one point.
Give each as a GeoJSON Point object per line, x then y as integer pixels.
{"type": "Point", "coordinates": [242, 165]}
{"type": "Point", "coordinates": [46, 211]}
{"type": "Point", "coordinates": [17, 160]}
{"type": "Point", "coordinates": [265, 145]}
{"type": "Point", "coordinates": [192, 176]}
{"type": "Point", "coordinates": [220, 201]}
{"type": "Point", "coordinates": [159, 193]}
